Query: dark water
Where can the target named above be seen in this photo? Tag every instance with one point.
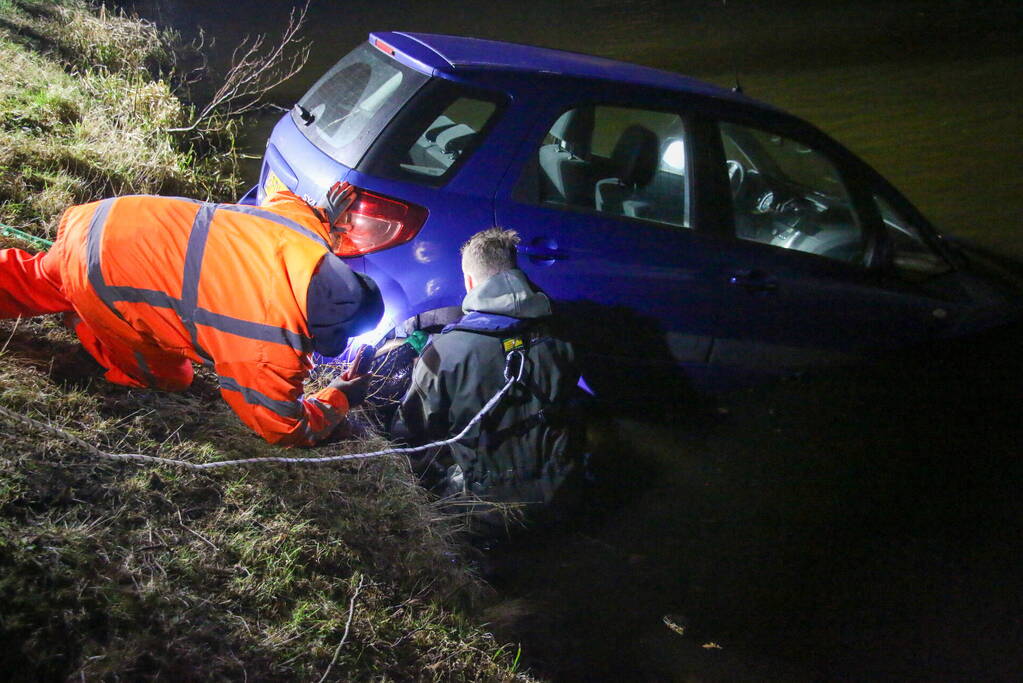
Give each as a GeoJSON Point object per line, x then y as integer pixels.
{"type": "Point", "coordinates": [865, 524]}
{"type": "Point", "coordinates": [859, 524]}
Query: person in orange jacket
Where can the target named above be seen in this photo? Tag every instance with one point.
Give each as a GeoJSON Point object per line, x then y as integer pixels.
{"type": "Point", "coordinates": [153, 284]}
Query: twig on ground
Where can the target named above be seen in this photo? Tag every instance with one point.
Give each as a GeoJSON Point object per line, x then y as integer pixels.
{"type": "Point", "coordinates": [196, 533]}
{"type": "Point", "coordinates": [17, 321]}
{"type": "Point", "coordinates": [348, 625]}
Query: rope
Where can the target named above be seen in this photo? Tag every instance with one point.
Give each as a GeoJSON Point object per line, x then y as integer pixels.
{"type": "Point", "coordinates": [8, 231]}
{"type": "Point", "coordinates": [511, 377]}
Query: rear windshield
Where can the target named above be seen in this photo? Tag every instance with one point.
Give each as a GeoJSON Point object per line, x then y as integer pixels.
{"type": "Point", "coordinates": [346, 109]}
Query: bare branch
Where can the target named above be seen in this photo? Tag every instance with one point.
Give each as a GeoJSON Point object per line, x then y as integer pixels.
{"type": "Point", "coordinates": [254, 72]}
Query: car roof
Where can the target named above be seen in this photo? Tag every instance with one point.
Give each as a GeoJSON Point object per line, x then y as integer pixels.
{"type": "Point", "coordinates": [445, 54]}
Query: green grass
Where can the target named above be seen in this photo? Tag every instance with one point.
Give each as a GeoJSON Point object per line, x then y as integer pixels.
{"type": "Point", "coordinates": [85, 104]}
{"type": "Point", "coordinates": [112, 570]}
{"type": "Point", "coordinates": [118, 569]}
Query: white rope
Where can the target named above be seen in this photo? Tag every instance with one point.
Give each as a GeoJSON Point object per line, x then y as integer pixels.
{"type": "Point", "coordinates": [139, 457]}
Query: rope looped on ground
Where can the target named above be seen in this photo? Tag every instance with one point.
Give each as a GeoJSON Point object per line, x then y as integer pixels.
{"type": "Point", "coordinates": [512, 379]}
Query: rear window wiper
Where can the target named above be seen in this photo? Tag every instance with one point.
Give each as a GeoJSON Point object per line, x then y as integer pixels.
{"type": "Point", "coordinates": [307, 116]}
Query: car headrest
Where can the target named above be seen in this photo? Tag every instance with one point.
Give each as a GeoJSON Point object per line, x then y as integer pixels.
{"type": "Point", "coordinates": [454, 139]}
{"type": "Point", "coordinates": [437, 127]}
{"type": "Point", "coordinates": [636, 155]}
{"type": "Point", "coordinates": [574, 128]}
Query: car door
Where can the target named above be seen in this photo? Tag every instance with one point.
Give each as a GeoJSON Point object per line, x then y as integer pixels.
{"type": "Point", "coordinates": [604, 205]}
{"type": "Point", "coordinates": [803, 288]}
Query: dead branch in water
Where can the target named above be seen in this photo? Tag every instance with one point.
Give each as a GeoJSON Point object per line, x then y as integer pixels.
{"type": "Point", "coordinates": [254, 72]}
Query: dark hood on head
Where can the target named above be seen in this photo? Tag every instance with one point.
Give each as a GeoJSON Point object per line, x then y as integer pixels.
{"type": "Point", "coordinates": [340, 304]}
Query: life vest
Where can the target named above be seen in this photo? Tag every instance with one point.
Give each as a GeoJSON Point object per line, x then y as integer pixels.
{"type": "Point", "coordinates": [513, 333]}
{"type": "Point", "coordinates": [222, 285]}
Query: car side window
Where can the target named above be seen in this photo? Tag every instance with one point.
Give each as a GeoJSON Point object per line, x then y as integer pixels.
{"type": "Point", "coordinates": [434, 135]}
{"type": "Point", "coordinates": [619, 161]}
{"type": "Point", "coordinates": [448, 136]}
{"type": "Point", "coordinates": [789, 195]}
{"type": "Point", "coordinates": [910, 254]}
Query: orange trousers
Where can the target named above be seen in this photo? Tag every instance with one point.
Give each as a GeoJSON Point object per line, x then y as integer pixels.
{"type": "Point", "coordinates": [30, 285]}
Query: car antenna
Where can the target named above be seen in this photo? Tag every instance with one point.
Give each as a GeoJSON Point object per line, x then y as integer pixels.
{"type": "Point", "coordinates": [737, 88]}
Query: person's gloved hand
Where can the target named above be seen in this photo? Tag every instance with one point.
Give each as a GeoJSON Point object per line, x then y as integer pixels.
{"type": "Point", "coordinates": [353, 389]}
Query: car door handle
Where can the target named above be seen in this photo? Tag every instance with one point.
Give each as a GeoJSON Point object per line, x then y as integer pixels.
{"type": "Point", "coordinates": [542, 249]}
{"type": "Point", "coordinates": [753, 281]}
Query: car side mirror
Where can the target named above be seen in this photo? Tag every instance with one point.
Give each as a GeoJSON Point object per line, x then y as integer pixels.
{"type": "Point", "coordinates": [918, 267]}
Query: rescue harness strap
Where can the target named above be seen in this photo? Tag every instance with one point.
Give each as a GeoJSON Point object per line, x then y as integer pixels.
{"type": "Point", "coordinates": [512, 376]}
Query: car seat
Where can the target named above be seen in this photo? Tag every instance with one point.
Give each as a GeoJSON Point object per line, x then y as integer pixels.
{"type": "Point", "coordinates": [665, 194]}
{"type": "Point", "coordinates": [566, 171]}
{"type": "Point", "coordinates": [418, 152]}
{"type": "Point", "coordinates": [635, 157]}
{"type": "Point", "coordinates": [442, 144]}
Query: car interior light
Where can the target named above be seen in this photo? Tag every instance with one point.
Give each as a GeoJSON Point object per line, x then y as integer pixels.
{"type": "Point", "coordinates": [675, 155]}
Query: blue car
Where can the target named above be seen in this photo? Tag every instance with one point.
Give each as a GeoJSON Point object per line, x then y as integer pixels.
{"type": "Point", "coordinates": [682, 229]}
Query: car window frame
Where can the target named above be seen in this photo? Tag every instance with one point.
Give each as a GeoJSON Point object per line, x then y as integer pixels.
{"type": "Point", "coordinates": [932, 238]}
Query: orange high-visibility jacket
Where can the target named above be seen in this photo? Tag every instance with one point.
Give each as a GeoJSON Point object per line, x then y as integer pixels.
{"type": "Point", "coordinates": [222, 285]}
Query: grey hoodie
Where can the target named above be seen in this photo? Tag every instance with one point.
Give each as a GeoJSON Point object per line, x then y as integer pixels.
{"type": "Point", "coordinates": [521, 454]}
{"type": "Point", "coordinates": [509, 293]}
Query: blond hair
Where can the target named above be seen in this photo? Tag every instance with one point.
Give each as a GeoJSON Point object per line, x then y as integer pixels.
{"type": "Point", "coordinates": [489, 252]}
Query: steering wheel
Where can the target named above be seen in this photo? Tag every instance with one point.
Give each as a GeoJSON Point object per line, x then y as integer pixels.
{"type": "Point", "coordinates": [736, 176]}
{"type": "Point", "coordinates": [797, 213]}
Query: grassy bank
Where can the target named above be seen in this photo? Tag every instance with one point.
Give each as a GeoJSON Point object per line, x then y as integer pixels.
{"type": "Point", "coordinates": [118, 571]}
{"type": "Point", "coordinates": [85, 104]}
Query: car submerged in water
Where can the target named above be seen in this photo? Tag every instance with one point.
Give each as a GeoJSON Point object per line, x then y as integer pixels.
{"type": "Point", "coordinates": [677, 226]}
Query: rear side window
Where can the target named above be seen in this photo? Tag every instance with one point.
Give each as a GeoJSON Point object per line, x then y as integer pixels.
{"type": "Point", "coordinates": [347, 108]}
{"type": "Point", "coordinates": [434, 134]}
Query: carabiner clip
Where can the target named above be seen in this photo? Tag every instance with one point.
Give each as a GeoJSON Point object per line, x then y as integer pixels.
{"type": "Point", "coordinates": [514, 375]}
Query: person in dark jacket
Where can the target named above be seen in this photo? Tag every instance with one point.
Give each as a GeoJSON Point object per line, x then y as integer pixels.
{"type": "Point", "coordinates": [524, 451]}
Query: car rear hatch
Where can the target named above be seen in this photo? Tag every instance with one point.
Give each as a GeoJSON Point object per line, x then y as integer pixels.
{"type": "Point", "coordinates": [330, 129]}
{"type": "Point", "coordinates": [391, 120]}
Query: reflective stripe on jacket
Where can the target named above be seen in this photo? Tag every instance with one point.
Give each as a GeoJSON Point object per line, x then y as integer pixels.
{"type": "Point", "coordinates": [223, 285]}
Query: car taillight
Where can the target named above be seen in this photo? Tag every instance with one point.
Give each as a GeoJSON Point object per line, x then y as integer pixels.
{"type": "Point", "coordinates": [377, 222]}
